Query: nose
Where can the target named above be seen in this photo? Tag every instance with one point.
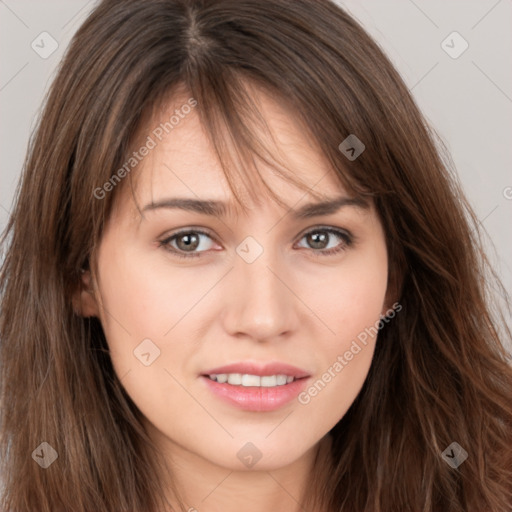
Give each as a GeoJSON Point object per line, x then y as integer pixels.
{"type": "Point", "coordinates": [260, 303]}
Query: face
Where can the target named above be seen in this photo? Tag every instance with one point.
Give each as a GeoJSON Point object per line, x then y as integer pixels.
{"type": "Point", "coordinates": [259, 298]}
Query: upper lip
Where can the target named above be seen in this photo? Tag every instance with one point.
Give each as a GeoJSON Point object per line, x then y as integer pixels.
{"type": "Point", "coordinates": [259, 368]}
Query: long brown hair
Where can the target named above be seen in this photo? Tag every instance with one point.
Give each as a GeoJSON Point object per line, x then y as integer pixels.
{"type": "Point", "coordinates": [439, 373]}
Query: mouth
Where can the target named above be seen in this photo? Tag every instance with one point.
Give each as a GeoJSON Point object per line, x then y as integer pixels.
{"type": "Point", "coordinates": [256, 387]}
{"type": "Point", "coordinates": [247, 380]}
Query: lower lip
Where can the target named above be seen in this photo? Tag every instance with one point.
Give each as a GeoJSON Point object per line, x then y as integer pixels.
{"type": "Point", "coordinates": [257, 399]}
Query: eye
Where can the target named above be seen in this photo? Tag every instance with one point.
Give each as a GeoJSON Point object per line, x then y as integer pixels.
{"type": "Point", "coordinates": [186, 243]}
{"type": "Point", "coordinates": [190, 243]}
{"type": "Point", "coordinates": [321, 240]}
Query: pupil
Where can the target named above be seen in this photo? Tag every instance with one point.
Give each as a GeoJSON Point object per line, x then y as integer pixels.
{"type": "Point", "coordinates": [188, 241]}
{"type": "Point", "coordinates": [318, 239]}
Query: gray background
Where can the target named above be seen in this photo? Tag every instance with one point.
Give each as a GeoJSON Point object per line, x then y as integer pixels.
{"type": "Point", "coordinates": [468, 99]}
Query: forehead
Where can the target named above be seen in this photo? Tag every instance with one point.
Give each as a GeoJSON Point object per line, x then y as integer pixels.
{"type": "Point", "coordinates": [183, 162]}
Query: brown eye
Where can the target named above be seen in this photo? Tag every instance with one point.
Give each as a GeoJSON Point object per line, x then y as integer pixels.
{"type": "Point", "coordinates": [186, 243]}
{"type": "Point", "coordinates": [327, 241]}
{"type": "Point", "coordinates": [318, 239]}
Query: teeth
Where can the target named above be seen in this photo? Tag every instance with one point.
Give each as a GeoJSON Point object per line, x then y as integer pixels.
{"type": "Point", "coordinates": [269, 381]}
{"type": "Point", "coordinates": [235, 379]}
{"type": "Point", "coordinates": [238, 379]}
{"type": "Point", "coordinates": [251, 380]}
{"type": "Point", "coordinates": [281, 379]}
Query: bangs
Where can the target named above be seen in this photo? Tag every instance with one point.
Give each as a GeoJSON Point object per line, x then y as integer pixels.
{"type": "Point", "coordinates": [242, 141]}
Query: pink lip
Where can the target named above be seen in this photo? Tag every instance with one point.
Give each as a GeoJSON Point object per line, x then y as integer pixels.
{"type": "Point", "coordinates": [255, 398]}
{"type": "Point", "coordinates": [261, 369]}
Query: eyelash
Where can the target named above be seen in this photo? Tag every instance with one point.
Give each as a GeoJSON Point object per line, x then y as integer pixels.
{"type": "Point", "coordinates": [348, 240]}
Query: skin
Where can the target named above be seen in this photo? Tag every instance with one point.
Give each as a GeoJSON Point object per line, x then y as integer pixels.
{"type": "Point", "coordinates": [288, 305]}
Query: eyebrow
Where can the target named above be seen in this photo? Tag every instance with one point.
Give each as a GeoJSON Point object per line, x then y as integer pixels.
{"type": "Point", "coordinates": [219, 208]}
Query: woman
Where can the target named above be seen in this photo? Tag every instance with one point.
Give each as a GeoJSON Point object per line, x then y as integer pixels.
{"type": "Point", "coordinates": [238, 273]}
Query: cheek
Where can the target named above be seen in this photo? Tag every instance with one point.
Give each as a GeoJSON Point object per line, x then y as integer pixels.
{"type": "Point", "coordinates": [150, 309]}
{"type": "Point", "coordinates": [353, 295]}
{"type": "Point", "coordinates": [135, 307]}
{"type": "Point", "coordinates": [346, 360]}
{"type": "Point", "coordinates": [352, 305]}
{"type": "Point", "coordinates": [135, 292]}
{"type": "Point", "coordinates": [141, 306]}
{"type": "Point", "coordinates": [331, 393]}
{"type": "Point", "coordinates": [148, 294]}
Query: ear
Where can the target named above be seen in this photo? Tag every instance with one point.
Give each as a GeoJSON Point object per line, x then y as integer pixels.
{"type": "Point", "coordinates": [84, 300]}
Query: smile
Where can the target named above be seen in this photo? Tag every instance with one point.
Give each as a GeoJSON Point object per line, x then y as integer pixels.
{"type": "Point", "coordinates": [247, 380]}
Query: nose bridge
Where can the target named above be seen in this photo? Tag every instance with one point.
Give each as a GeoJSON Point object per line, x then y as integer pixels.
{"type": "Point", "coordinates": [260, 305]}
